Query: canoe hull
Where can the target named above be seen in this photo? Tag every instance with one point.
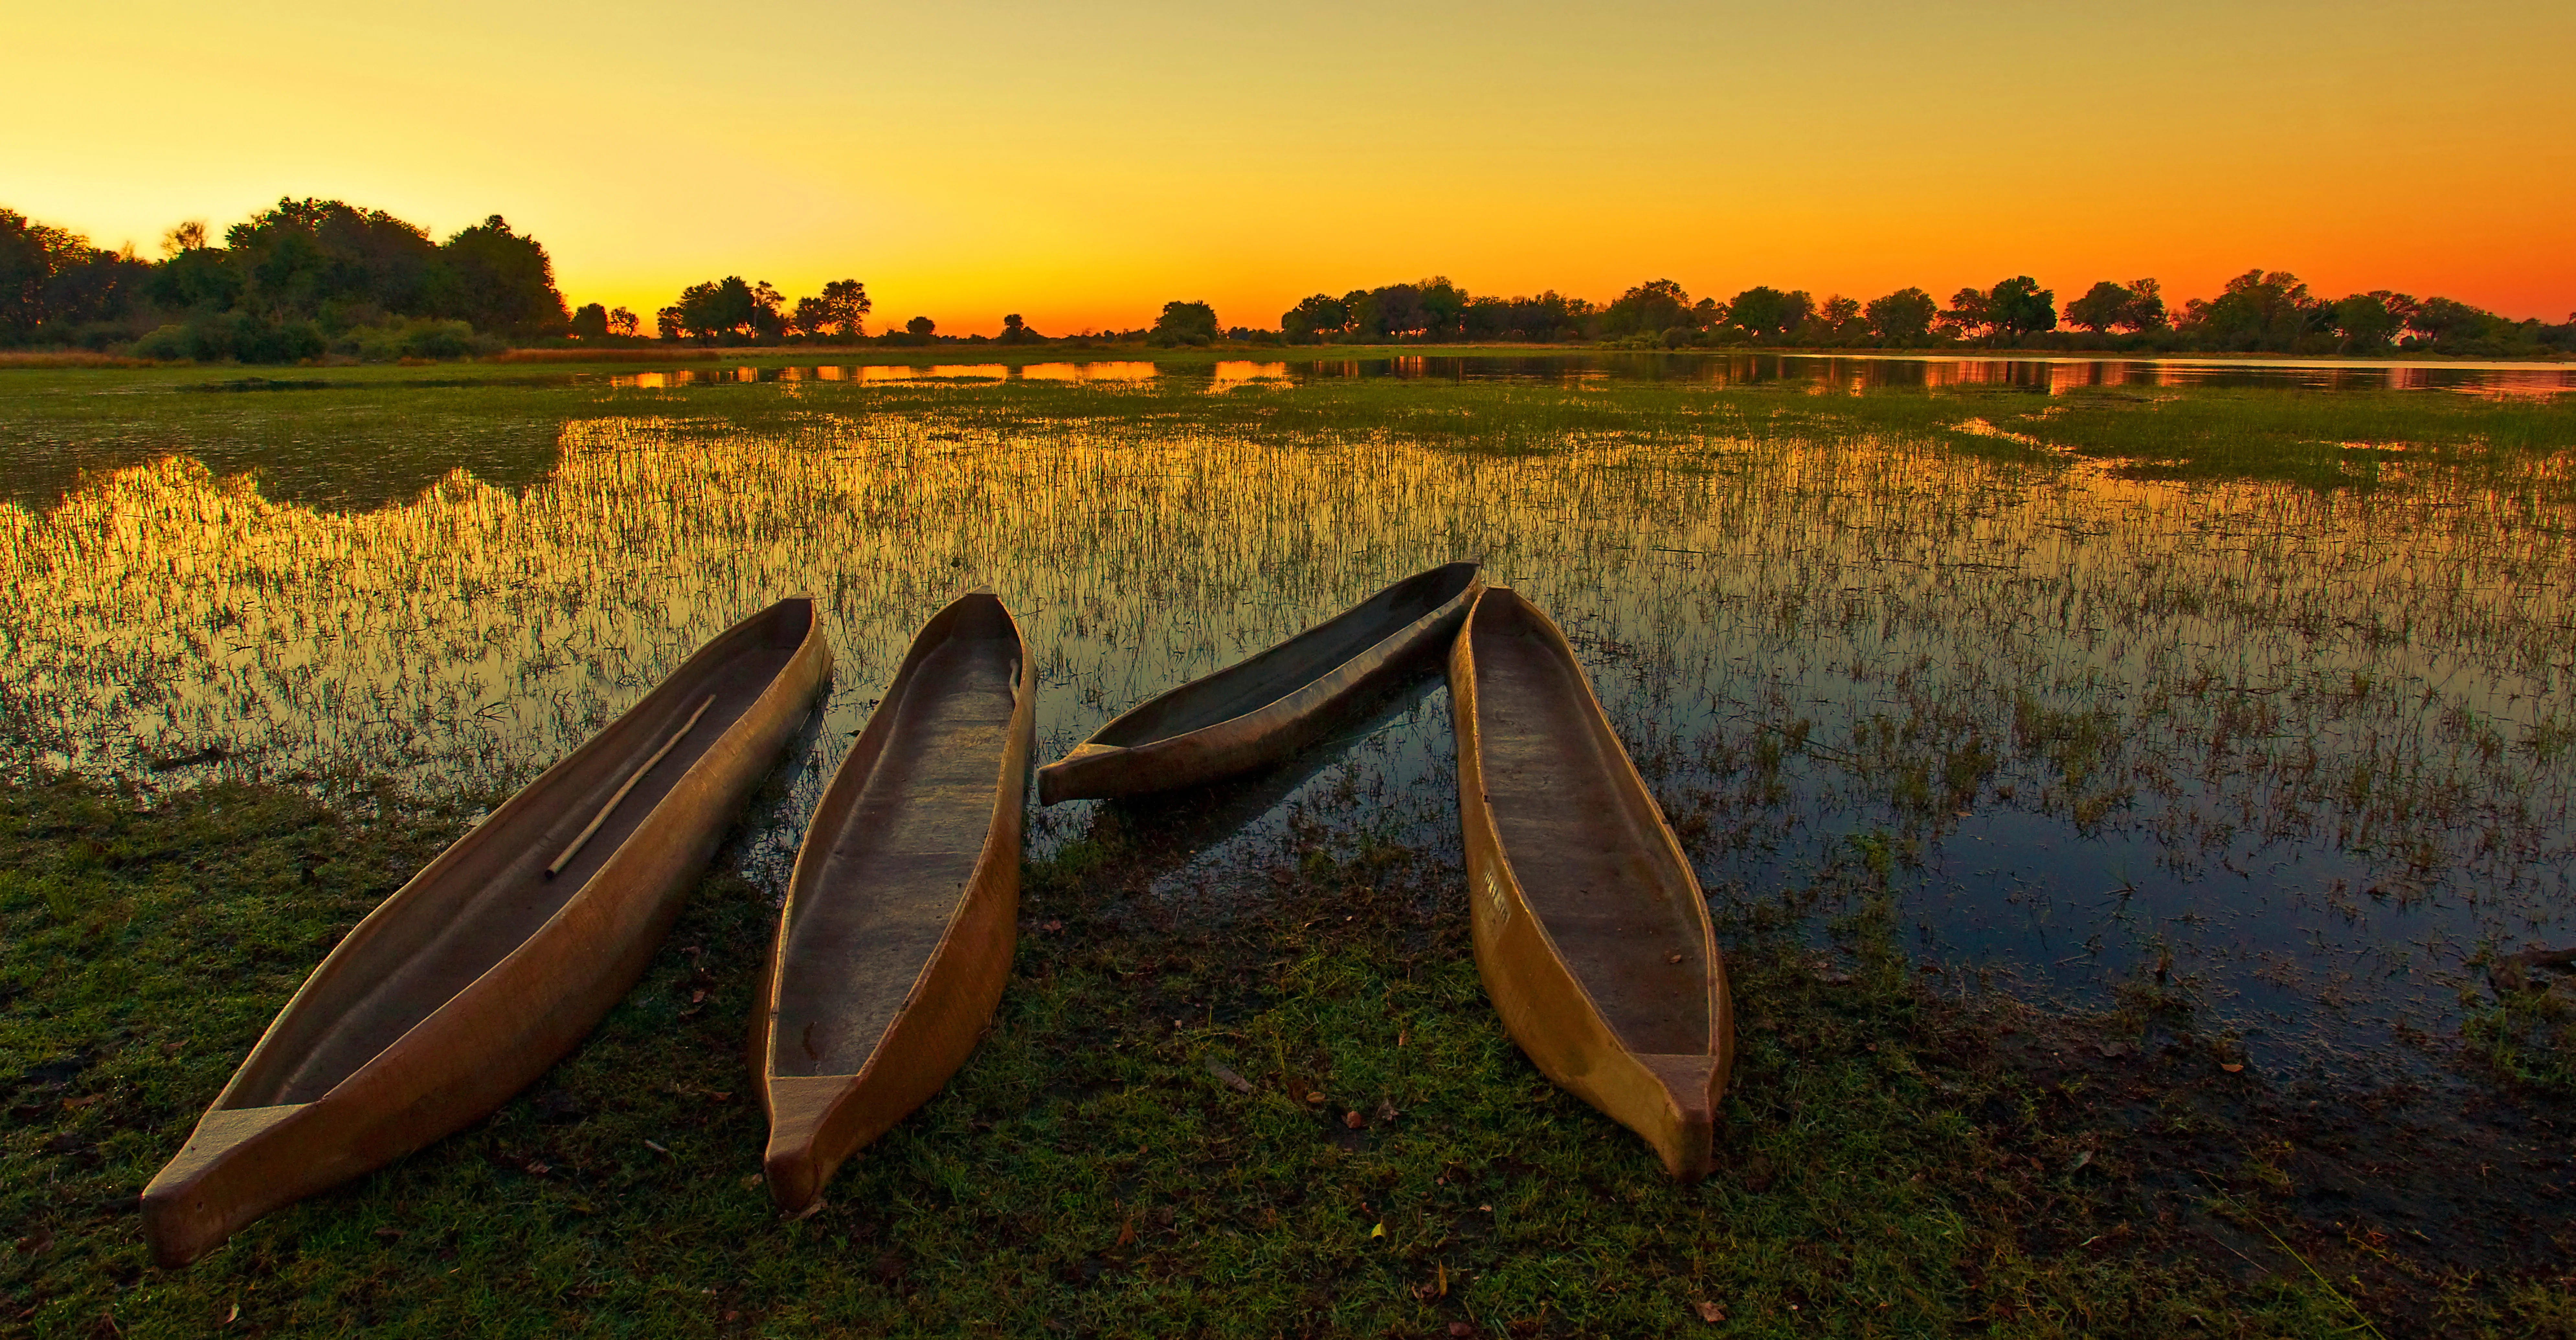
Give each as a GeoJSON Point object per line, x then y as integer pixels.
{"type": "Point", "coordinates": [819, 1118]}
{"type": "Point", "coordinates": [1667, 1096]}
{"type": "Point", "coordinates": [516, 1019]}
{"type": "Point", "coordinates": [1096, 770]}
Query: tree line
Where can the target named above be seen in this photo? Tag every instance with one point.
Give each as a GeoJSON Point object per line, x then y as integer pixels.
{"type": "Point", "coordinates": [2265, 311]}
{"type": "Point", "coordinates": [300, 280]}
{"type": "Point", "coordinates": [309, 278]}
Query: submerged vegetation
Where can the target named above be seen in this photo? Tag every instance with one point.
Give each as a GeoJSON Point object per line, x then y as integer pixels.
{"type": "Point", "coordinates": [2111, 803]}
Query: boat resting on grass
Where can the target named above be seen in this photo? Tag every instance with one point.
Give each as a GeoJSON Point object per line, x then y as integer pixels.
{"type": "Point", "coordinates": [896, 937]}
{"type": "Point", "coordinates": [1263, 709]}
{"type": "Point", "coordinates": [1590, 930]}
{"type": "Point", "coordinates": [503, 952]}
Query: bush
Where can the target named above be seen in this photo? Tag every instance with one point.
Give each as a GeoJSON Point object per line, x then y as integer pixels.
{"type": "Point", "coordinates": [233, 335]}
{"type": "Point", "coordinates": [419, 338]}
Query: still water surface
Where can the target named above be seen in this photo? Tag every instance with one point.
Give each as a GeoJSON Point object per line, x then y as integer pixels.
{"type": "Point", "coordinates": [1847, 372]}
{"type": "Point", "coordinates": [2311, 750]}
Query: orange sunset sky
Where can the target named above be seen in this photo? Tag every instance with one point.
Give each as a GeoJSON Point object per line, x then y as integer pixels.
{"type": "Point", "coordinates": [1080, 164]}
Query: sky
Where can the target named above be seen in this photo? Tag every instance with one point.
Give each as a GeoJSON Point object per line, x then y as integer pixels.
{"type": "Point", "coordinates": [1081, 165]}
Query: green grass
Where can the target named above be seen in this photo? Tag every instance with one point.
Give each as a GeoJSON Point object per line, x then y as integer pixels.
{"type": "Point", "coordinates": [1886, 1171]}
{"type": "Point", "coordinates": [363, 436]}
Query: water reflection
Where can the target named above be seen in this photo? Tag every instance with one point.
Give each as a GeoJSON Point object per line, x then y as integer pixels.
{"type": "Point", "coordinates": [1823, 372]}
{"type": "Point", "coordinates": [1088, 372]}
{"type": "Point", "coordinates": [2316, 747]}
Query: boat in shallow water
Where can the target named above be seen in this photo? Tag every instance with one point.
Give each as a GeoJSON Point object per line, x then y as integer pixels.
{"type": "Point", "coordinates": [503, 952]}
{"type": "Point", "coordinates": [1590, 929]}
{"type": "Point", "coordinates": [1261, 710]}
{"type": "Point", "coordinates": [901, 915]}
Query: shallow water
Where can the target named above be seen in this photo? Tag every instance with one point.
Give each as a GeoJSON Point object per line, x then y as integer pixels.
{"type": "Point", "coordinates": [1845, 372]}
{"type": "Point", "coordinates": [2309, 752]}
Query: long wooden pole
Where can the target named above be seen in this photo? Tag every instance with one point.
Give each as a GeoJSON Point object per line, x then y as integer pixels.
{"type": "Point", "coordinates": [638, 775]}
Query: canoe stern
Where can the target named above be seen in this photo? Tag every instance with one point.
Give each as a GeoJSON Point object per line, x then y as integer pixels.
{"type": "Point", "coordinates": [801, 1109]}
{"type": "Point", "coordinates": [1686, 1135]}
{"type": "Point", "coordinates": [227, 1175]}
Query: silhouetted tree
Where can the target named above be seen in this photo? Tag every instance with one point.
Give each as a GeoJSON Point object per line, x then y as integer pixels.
{"type": "Point", "coordinates": [622, 322]}
{"type": "Point", "coordinates": [1315, 318]}
{"type": "Point", "coordinates": [1548, 317]}
{"type": "Point", "coordinates": [1967, 315]}
{"type": "Point", "coordinates": [1396, 311]}
{"type": "Point", "coordinates": [2258, 309]}
{"type": "Point", "coordinates": [1443, 306]}
{"type": "Point", "coordinates": [1185, 323]}
{"type": "Point", "coordinates": [1016, 331]}
{"type": "Point", "coordinates": [2099, 308]}
{"type": "Point", "coordinates": [2019, 306]}
{"type": "Point", "coordinates": [30, 254]}
{"type": "Point", "coordinates": [841, 310]}
{"type": "Point", "coordinates": [921, 328]}
{"type": "Point", "coordinates": [726, 309]}
{"type": "Point", "coordinates": [2016, 307]}
{"type": "Point", "coordinates": [590, 321]}
{"type": "Point", "coordinates": [499, 281]}
{"type": "Point", "coordinates": [1648, 309]}
{"type": "Point", "coordinates": [1765, 311]}
{"type": "Point", "coordinates": [1837, 321]}
{"type": "Point", "coordinates": [1901, 318]}
{"type": "Point", "coordinates": [2446, 321]}
{"type": "Point", "coordinates": [2369, 321]}
{"type": "Point", "coordinates": [55, 287]}
{"type": "Point", "coordinates": [2135, 306]}
{"type": "Point", "coordinates": [306, 258]}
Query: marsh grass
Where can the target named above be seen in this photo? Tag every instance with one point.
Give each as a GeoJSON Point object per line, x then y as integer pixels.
{"type": "Point", "coordinates": [1904, 668]}
{"type": "Point", "coordinates": [2528, 1035]}
{"type": "Point", "coordinates": [1089, 1173]}
{"type": "Point", "coordinates": [1818, 614]}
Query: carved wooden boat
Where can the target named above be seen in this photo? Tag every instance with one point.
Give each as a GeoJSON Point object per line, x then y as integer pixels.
{"type": "Point", "coordinates": [1268, 707]}
{"type": "Point", "coordinates": [901, 915]}
{"type": "Point", "coordinates": [483, 970]}
{"type": "Point", "coordinates": [1590, 930]}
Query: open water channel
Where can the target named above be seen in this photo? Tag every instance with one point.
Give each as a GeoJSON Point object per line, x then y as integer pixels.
{"type": "Point", "coordinates": [2311, 753]}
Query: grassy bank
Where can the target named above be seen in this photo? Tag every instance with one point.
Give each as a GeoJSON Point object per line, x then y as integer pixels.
{"type": "Point", "coordinates": [1903, 1154]}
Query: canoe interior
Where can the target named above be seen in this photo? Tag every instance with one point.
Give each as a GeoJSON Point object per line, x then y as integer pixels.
{"type": "Point", "coordinates": [1588, 849]}
{"type": "Point", "coordinates": [1290, 666]}
{"type": "Point", "coordinates": [903, 844]}
{"type": "Point", "coordinates": [490, 893]}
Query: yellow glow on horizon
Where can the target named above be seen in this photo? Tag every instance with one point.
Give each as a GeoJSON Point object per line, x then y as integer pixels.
{"type": "Point", "coordinates": [1082, 166]}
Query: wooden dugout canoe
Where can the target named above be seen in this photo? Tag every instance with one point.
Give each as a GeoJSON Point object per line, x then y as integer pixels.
{"type": "Point", "coordinates": [1590, 930]}
{"type": "Point", "coordinates": [477, 975]}
{"type": "Point", "coordinates": [896, 937]}
{"type": "Point", "coordinates": [1263, 709]}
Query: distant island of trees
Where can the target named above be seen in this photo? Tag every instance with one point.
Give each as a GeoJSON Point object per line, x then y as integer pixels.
{"type": "Point", "coordinates": [316, 279]}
